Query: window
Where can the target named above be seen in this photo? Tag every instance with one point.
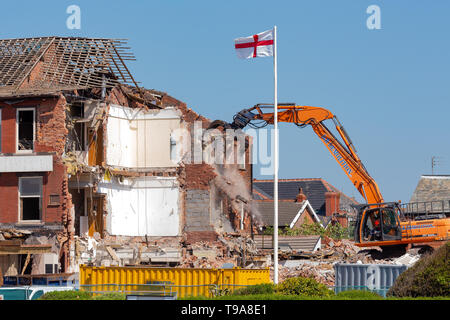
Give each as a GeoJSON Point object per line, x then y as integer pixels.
{"type": "Point", "coordinates": [30, 198]}
{"type": "Point", "coordinates": [372, 226]}
{"type": "Point", "coordinates": [25, 129]}
{"type": "Point", "coordinates": [389, 222]}
{"type": "Point", "coordinates": [79, 127]}
{"type": "Point", "coordinates": [0, 130]}
{"type": "Point", "coordinates": [80, 136]}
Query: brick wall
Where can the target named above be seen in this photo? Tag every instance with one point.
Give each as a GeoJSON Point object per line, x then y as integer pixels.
{"type": "Point", "coordinates": [50, 137]}
{"type": "Point", "coordinates": [198, 210]}
{"type": "Point", "coordinates": [305, 218]}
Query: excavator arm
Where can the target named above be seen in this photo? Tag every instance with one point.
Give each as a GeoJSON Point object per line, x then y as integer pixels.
{"type": "Point", "coordinates": [389, 232]}
{"type": "Point", "coordinates": [343, 151]}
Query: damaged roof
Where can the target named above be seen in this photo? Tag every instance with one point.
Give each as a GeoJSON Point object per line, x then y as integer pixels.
{"type": "Point", "coordinates": [313, 188]}
{"type": "Point", "coordinates": [48, 64]}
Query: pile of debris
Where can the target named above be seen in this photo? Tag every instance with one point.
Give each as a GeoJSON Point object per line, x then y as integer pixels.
{"type": "Point", "coordinates": [10, 234]}
{"type": "Point", "coordinates": [322, 272]}
{"type": "Point", "coordinates": [118, 251]}
{"type": "Point", "coordinates": [319, 265]}
{"type": "Point", "coordinates": [230, 249]}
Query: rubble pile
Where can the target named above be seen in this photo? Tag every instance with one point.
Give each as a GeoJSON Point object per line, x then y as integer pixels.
{"type": "Point", "coordinates": [10, 234]}
{"type": "Point", "coordinates": [120, 251]}
{"type": "Point", "coordinates": [321, 272]}
{"type": "Point", "coordinates": [319, 265]}
{"type": "Point", "coordinates": [232, 249]}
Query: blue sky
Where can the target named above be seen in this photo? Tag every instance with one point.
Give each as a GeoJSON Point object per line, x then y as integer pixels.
{"type": "Point", "coordinates": [389, 87]}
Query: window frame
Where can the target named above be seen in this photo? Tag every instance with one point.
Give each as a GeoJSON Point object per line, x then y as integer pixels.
{"type": "Point", "coordinates": [17, 128]}
{"type": "Point", "coordinates": [1, 130]}
{"type": "Point", "coordinates": [41, 198]}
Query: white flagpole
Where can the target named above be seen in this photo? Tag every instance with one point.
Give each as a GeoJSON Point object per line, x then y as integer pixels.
{"type": "Point", "coordinates": [275, 180]}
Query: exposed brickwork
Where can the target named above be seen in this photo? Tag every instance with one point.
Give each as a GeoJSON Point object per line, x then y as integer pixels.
{"type": "Point", "coordinates": [331, 203]}
{"type": "Point", "coordinates": [304, 218]}
{"type": "Point", "coordinates": [51, 134]}
{"type": "Point", "coordinates": [198, 176]}
{"type": "Point", "coordinates": [196, 236]}
{"type": "Point", "coordinates": [9, 211]}
{"type": "Point", "coordinates": [50, 137]}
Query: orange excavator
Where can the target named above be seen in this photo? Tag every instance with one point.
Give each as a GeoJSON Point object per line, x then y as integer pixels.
{"type": "Point", "coordinates": [379, 223]}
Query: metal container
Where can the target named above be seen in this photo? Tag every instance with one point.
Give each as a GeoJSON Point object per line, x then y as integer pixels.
{"type": "Point", "coordinates": [374, 277]}
{"type": "Point", "coordinates": [167, 281]}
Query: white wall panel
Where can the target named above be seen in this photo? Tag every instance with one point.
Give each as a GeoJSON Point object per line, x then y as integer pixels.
{"type": "Point", "coordinates": [144, 206]}
{"type": "Point", "coordinates": [140, 139]}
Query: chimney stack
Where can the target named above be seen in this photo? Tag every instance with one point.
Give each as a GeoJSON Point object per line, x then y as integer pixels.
{"type": "Point", "coordinates": [332, 203]}
{"type": "Point", "coordinates": [300, 196]}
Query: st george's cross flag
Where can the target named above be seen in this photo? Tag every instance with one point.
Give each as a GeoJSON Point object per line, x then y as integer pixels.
{"type": "Point", "coordinates": [258, 45]}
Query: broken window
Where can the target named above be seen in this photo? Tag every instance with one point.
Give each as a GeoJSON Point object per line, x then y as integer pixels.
{"type": "Point", "coordinates": [51, 268]}
{"type": "Point", "coordinates": [80, 134]}
{"type": "Point", "coordinates": [77, 110]}
{"type": "Point", "coordinates": [30, 195]}
{"type": "Point", "coordinates": [25, 129]}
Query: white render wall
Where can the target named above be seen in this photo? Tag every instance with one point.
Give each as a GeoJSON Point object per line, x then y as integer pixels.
{"type": "Point", "coordinates": [142, 206]}
{"type": "Point", "coordinates": [26, 163]}
{"type": "Point", "coordinates": [140, 139]}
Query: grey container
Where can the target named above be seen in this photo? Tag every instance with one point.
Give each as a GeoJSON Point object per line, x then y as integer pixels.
{"type": "Point", "coordinates": [374, 277]}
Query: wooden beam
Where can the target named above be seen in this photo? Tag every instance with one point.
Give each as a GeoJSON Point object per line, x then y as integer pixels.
{"type": "Point", "coordinates": [27, 261]}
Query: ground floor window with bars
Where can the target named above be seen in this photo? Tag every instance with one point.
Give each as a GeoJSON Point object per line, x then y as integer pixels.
{"type": "Point", "coordinates": [30, 198]}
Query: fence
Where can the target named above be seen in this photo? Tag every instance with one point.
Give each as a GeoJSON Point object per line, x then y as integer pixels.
{"type": "Point", "coordinates": [374, 277]}
{"type": "Point", "coordinates": [428, 208]}
{"type": "Point", "coordinates": [168, 281]}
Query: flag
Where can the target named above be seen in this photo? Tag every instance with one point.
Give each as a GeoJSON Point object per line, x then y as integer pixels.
{"type": "Point", "coordinates": [258, 45]}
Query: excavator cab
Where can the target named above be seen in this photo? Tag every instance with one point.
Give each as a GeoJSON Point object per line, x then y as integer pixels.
{"type": "Point", "coordinates": [378, 223]}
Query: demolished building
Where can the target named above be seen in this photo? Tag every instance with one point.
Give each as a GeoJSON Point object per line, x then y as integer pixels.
{"type": "Point", "coordinates": [96, 169]}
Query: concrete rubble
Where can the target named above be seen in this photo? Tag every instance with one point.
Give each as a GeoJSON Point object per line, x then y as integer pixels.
{"type": "Point", "coordinates": [229, 249]}
{"type": "Point", "coordinates": [320, 266]}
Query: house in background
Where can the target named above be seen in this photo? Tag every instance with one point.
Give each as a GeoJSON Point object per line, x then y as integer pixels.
{"type": "Point", "coordinates": [432, 195]}
{"type": "Point", "coordinates": [432, 188]}
{"type": "Point", "coordinates": [325, 201]}
{"type": "Point", "coordinates": [291, 213]}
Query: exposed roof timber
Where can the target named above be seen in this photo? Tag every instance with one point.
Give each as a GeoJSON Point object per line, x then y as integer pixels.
{"type": "Point", "coordinates": [77, 63]}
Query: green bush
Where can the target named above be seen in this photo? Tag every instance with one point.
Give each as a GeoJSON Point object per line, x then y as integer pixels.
{"type": "Point", "coordinates": [429, 277]}
{"type": "Point", "coordinates": [359, 295]}
{"type": "Point", "coordinates": [66, 295]}
{"type": "Point", "coordinates": [110, 296]}
{"type": "Point", "coordinates": [303, 286]}
{"type": "Point", "coordinates": [80, 295]}
{"type": "Point", "coordinates": [264, 288]}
